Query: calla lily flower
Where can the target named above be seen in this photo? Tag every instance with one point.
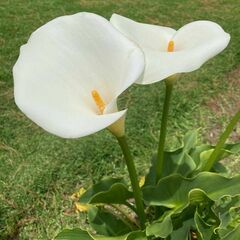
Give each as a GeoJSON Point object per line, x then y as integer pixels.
{"type": "Point", "coordinates": [71, 71]}
{"type": "Point", "coordinates": [167, 51]}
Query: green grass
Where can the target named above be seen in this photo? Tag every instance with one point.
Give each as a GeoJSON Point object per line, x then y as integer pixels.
{"type": "Point", "coordinates": [38, 171]}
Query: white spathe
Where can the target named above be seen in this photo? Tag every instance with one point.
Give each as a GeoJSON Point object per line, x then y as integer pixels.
{"type": "Point", "coordinates": [194, 44]}
{"type": "Point", "coordinates": [63, 62]}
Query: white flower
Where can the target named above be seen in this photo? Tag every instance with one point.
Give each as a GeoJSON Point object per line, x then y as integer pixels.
{"type": "Point", "coordinates": [70, 73]}
{"type": "Point", "coordinates": [168, 51]}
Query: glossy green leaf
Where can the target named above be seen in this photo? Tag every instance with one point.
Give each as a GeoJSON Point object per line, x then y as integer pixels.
{"type": "Point", "coordinates": [197, 196]}
{"type": "Point", "coordinates": [73, 234]}
{"type": "Point", "coordinates": [172, 191]}
{"type": "Point", "coordinates": [137, 235]}
{"type": "Point", "coordinates": [190, 140]}
{"type": "Point", "coordinates": [197, 217]}
{"type": "Point", "coordinates": [218, 167]}
{"type": "Point", "coordinates": [204, 206]}
{"type": "Point", "coordinates": [201, 154]}
{"type": "Point", "coordinates": [195, 152]}
{"type": "Point", "coordinates": [108, 190]}
{"type": "Point", "coordinates": [232, 148]}
{"type": "Point", "coordinates": [160, 228]}
{"type": "Point", "coordinates": [117, 194]}
{"type": "Point", "coordinates": [151, 177]}
{"type": "Point", "coordinates": [178, 222]}
{"type": "Point", "coordinates": [177, 161]}
{"type": "Point", "coordinates": [183, 231]}
{"type": "Point", "coordinates": [233, 235]}
{"type": "Point", "coordinates": [205, 230]}
{"type": "Point", "coordinates": [79, 234]}
{"type": "Point", "coordinates": [228, 210]}
{"type": "Point", "coordinates": [105, 223]}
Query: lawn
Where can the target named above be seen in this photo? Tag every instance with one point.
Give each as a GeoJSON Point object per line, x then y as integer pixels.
{"type": "Point", "coordinates": [39, 172]}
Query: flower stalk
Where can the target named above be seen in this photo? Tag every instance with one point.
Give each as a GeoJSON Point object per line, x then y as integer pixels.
{"type": "Point", "coordinates": [222, 140]}
{"type": "Point", "coordinates": [134, 179]}
{"type": "Point", "coordinates": [163, 130]}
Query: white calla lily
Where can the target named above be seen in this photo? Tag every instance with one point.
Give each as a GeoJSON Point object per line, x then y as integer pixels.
{"type": "Point", "coordinates": [167, 51]}
{"type": "Point", "coordinates": [71, 71]}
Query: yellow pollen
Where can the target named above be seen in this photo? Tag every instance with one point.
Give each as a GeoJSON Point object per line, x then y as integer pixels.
{"type": "Point", "coordinates": [170, 46]}
{"type": "Point", "coordinates": [99, 101]}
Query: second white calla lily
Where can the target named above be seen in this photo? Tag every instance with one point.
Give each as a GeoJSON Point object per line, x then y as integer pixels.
{"type": "Point", "coordinates": [167, 51]}
{"type": "Point", "coordinates": [70, 73]}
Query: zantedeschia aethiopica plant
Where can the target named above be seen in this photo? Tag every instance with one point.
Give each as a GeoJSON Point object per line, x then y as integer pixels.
{"type": "Point", "coordinates": [169, 52]}
{"type": "Point", "coordinates": [69, 75]}
{"type": "Point", "coordinates": [67, 80]}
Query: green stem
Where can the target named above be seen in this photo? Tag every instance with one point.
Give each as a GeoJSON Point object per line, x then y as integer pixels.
{"type": "Point", "coordinates": [163, 130]}
{"type": "Point", "coordinates": [134, 180]}
{"type": "Point", "coordinates": [221, 142]}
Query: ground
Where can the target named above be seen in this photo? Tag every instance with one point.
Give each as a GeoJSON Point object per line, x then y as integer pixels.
{"type": "Point", "coordinates": [39, 172]}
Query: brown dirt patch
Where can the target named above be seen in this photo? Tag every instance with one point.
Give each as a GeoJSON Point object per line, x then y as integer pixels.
{"type": "Point", "coordinates": [225, 105]}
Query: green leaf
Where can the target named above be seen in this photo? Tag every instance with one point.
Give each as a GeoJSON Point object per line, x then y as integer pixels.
{"type": "Point", "coordinates": [151, 177]}
{"type": "Point", "coordinates": [201, 154]}
{"type": "Point", "coordinates": [73, 234]}
{"type": "Point", "coordinates": [228, 150]}
{"type": "Point", "coordinates": [103, 185]}
{"type": "Point", "coordinates": [204, 208]}
{"type": "Point", "coordinates": [196, 152]}
{"type": "Point", "coordinates": [177, 161]}
{"type": "Point", "coordinates": [160, 228]}
{"type": "Point", "coordinates": [190, 140]}
{"type": "Point", "coordinates": [108, 190]}
{"type": "Point", "coordinates": [204, 213]}
{"type": "Point", "coordinates": [218, 167]}
{"type": "Point", "coordinates": [197, 196]}
{"type": "Point", "coordinates": [79, 234]}
{"type": "Point", "coordinates": [117, 194]}
{"type": "Point", "coordinates": [228, 210]}
{"type": "Point", "coordinates": [177, 222]}
{"type": "Point", "coordinates": [183, 231]}
{"type": "Point", "coordinates": [172, 191]}
{"type": "Point", "coordinates": [232, 148]}
{"type": "Point", "coordinates": [137, 235]}
{"type": "Point", "coordinates": [234, 235]}
{"type": "Point", "coordinates": [105, 223]}
{"type": "Point", "coordinates": [173, 223]}
{"type": "Point", "coordinates": [181, 221]}
{"type": "Point", "coordinates": [205, 230]}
